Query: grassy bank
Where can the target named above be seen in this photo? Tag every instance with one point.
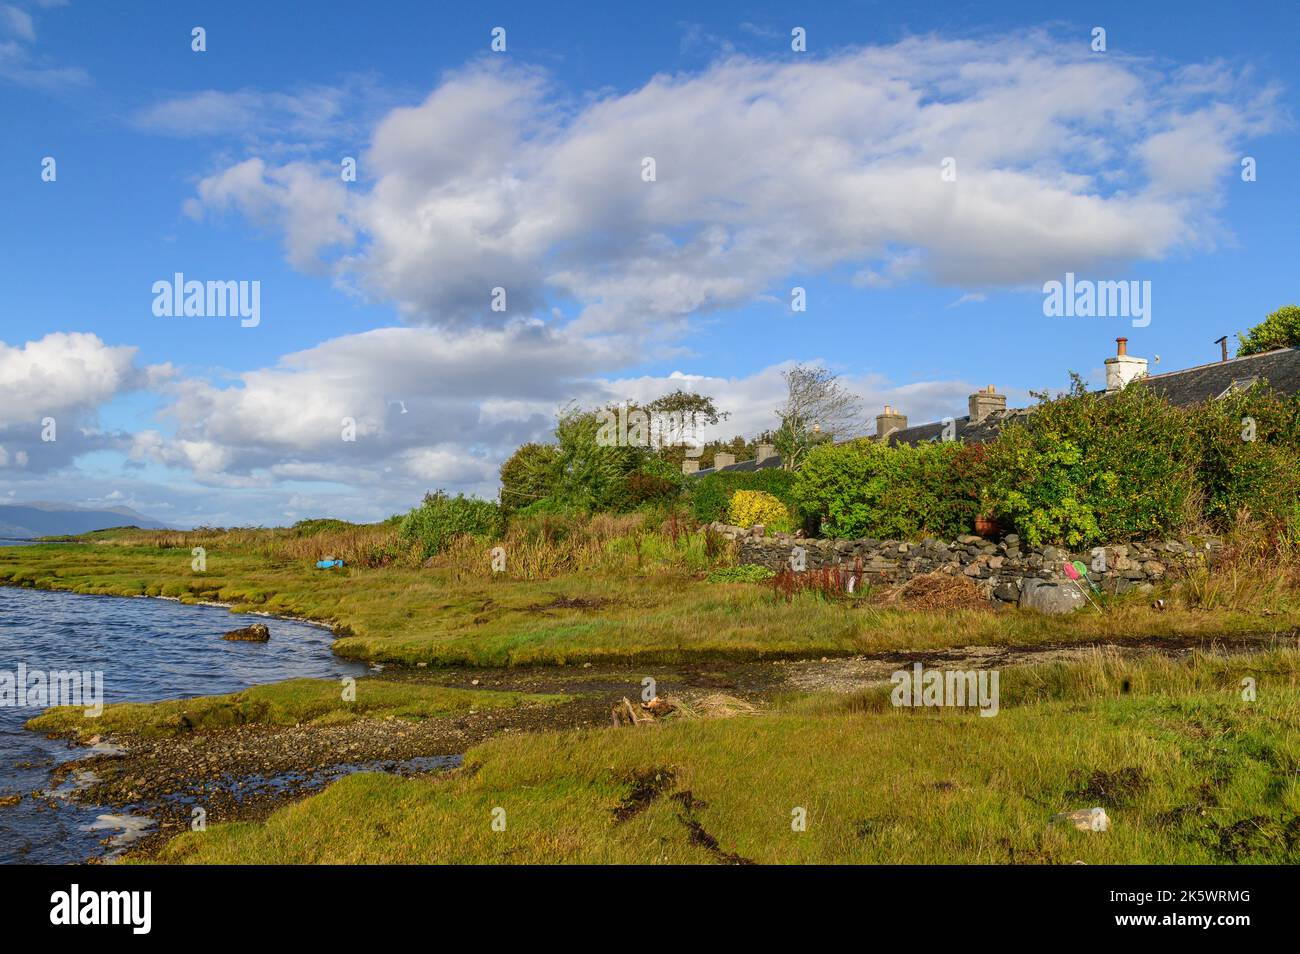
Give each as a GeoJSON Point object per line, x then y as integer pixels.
{"type": "Point", "coordinates": [1188, 771]}
{"type": "Point", "coordinates": [293, 702]}
{"type": "Point", "coordinates": [651, 606]}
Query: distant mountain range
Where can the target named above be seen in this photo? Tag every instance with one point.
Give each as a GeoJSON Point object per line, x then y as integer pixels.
{"type": "Point", "coordinates": [41, 519]}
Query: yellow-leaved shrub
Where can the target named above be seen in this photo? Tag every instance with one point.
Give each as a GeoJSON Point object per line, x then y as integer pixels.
{"type": "Point", "coordinates": [751, 507]}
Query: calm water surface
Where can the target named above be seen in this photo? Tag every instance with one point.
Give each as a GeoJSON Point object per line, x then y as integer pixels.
{"type": "Point", "coordinates": [147, 649]}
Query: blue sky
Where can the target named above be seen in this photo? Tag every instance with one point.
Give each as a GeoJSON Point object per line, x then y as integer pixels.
{"type": "Point", "coordinates": [521, 169]}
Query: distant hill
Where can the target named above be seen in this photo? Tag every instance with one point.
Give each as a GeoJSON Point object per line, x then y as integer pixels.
{"type": "Point", "coordinates": [41, 519]}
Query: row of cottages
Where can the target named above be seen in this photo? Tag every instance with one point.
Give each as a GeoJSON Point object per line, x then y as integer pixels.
{"type": "Point", "coordinates": [988, 411]}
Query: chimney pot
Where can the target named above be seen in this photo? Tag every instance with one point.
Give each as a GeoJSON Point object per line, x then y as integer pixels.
{"type": "Point", "coordinates": [1124, 368]}
{"type": "Point", "coordinates": [889, 422]}
{"type": "Point", "coordinates": [985, 402]}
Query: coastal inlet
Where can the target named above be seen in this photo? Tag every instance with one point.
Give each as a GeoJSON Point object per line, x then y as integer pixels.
{"type": "Point", "coordinates": [146, 649]}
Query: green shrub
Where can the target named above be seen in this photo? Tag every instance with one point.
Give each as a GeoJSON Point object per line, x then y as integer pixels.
{"type": "Point", "coordinates": [529, 475]}
{"type": "Point", "coordinates": [441, 518]}
{"type": "Point", "coordinates": [1249, 459]}
{"type": "Point", "coordinates": [711, 494]}
{"type": "Point", "coordinates": [864, 488]}
{"type": "Point", "coordinates": [745, 573]}
{"type": "Point", "coordinates": [592, 474]}
{"type": "Point", "coordinates": [640, 489]}
{"type": "Point", "coordinates": [753, 507]}
{"type": "Point", "coordinates": [1092, 468]}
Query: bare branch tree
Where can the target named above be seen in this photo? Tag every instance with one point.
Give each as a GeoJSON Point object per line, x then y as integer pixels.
{"type": "Point", "coordinates": [817, 408]}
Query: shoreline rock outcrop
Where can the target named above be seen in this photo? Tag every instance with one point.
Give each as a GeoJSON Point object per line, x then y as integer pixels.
{"type": "Point", "coordinates": [256, 633]}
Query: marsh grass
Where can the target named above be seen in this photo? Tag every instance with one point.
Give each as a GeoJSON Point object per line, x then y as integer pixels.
{"type": "Point", "coordinates": [293, 702]}
{"type": "Point", "coordinates": [1188, 772]}
{"type": "Point", "coordinates": [642, 599]}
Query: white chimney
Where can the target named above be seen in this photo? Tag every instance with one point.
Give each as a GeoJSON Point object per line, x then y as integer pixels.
{"type": "Point", "coordinates": [1123, 369]}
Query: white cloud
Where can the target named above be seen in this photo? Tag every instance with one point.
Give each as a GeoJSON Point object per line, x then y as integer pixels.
{"type": "Point", "coordinates": [470, 398]}
{"type": "Point", "coordinates": [20, 64]}
{"type": "Point", "coordinates": [427, 404]}
{"type": "Point", "coordinates": [768, 170]}
{"type": "Point", "coordinates": [272, 122]}
{"type": "Point", "coordinates": [308, 207]}
{"type": "Point", "coordinates": [61, 373]}
{"type": "Point", "coordinates": [54, 387]}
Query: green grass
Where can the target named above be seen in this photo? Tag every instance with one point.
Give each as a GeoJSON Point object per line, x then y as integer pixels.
{"type": "Point", "coordinates": [1188, 771]}
{"type": "Point", "coordinates": [294, 702]}
{"type": "Point", "coordinates": [414, 615]}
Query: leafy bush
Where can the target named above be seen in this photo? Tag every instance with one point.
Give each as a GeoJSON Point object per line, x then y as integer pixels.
{"type": "Point", "coordinates": [752, 507]}
{"type": "Point", "coordinates": [592, 474]}
{"type": "Point", "coordinates": [529, 475]}
{"type": "Point", "coordinates": [1248, 460]}
{"type": "Point", "coordinates": [1092, 468]}
{"type": "Point", "coordinates": [746, 573]}
{"type": "Point", "coordinates": [711, 494]}
{"type": "Point", "coordinates": [864, 488]}
{"type": "Point", "coordinates": [441, 518]}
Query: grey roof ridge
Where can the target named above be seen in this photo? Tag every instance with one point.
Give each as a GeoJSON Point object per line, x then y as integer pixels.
{"type": "Point", "coordinates": [1220, 363]}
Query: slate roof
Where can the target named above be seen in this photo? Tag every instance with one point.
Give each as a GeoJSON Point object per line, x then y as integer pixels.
{"type": "Point", "coordinates": [1279, 369]}
{"type": "Point", "coordinates": [972, 432]}
{"type": "Point", "coordinates": [745, 466]}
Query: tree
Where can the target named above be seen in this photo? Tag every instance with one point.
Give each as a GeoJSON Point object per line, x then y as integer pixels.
{"type": "Point", "coordinates": [591, 470]}
{"type": "Point", "coordinates": [816, 409]}
{"type": "Point", "coordinates": [1281, 329]}
{"type": "Point", "coordinates": [531, 473]}
{"type": "Point", "coordinates": [675, 420]}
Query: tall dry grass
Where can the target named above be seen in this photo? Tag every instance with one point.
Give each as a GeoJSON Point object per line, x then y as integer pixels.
{"type": "Point", "coordinates": [544, 547]}
{"type": "Point", "coordinates": [369, 545]}
{"type": "Point", "coordinates": [1255, 569]}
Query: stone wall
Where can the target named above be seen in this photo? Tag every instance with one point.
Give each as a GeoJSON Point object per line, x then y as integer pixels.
{"type": "Point", "coordinates": [999, 569]}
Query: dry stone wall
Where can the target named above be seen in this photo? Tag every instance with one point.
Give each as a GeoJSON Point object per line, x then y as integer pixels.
{"type": "Point", "coordinates": [999, 569]}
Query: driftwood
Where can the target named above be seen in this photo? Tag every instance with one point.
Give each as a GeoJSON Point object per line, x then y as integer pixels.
{"type": "Point", "coordinates": [625, 713]}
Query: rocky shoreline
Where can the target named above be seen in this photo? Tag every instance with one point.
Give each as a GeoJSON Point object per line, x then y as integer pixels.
{"type": "Point", "coordinates": [246, 772]}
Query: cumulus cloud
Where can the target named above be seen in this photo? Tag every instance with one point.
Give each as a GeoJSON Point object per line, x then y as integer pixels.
{"type": "Point", "coordinates": [295, 197]}
{"type": "Point", "coordinates": [767, 170]}
{"type": "Point", "coordinates": [60, 373]}
{"type": "Point", "coordinates": [60, 382]}
{"type": "Point", "coordinates": [427, 406]}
